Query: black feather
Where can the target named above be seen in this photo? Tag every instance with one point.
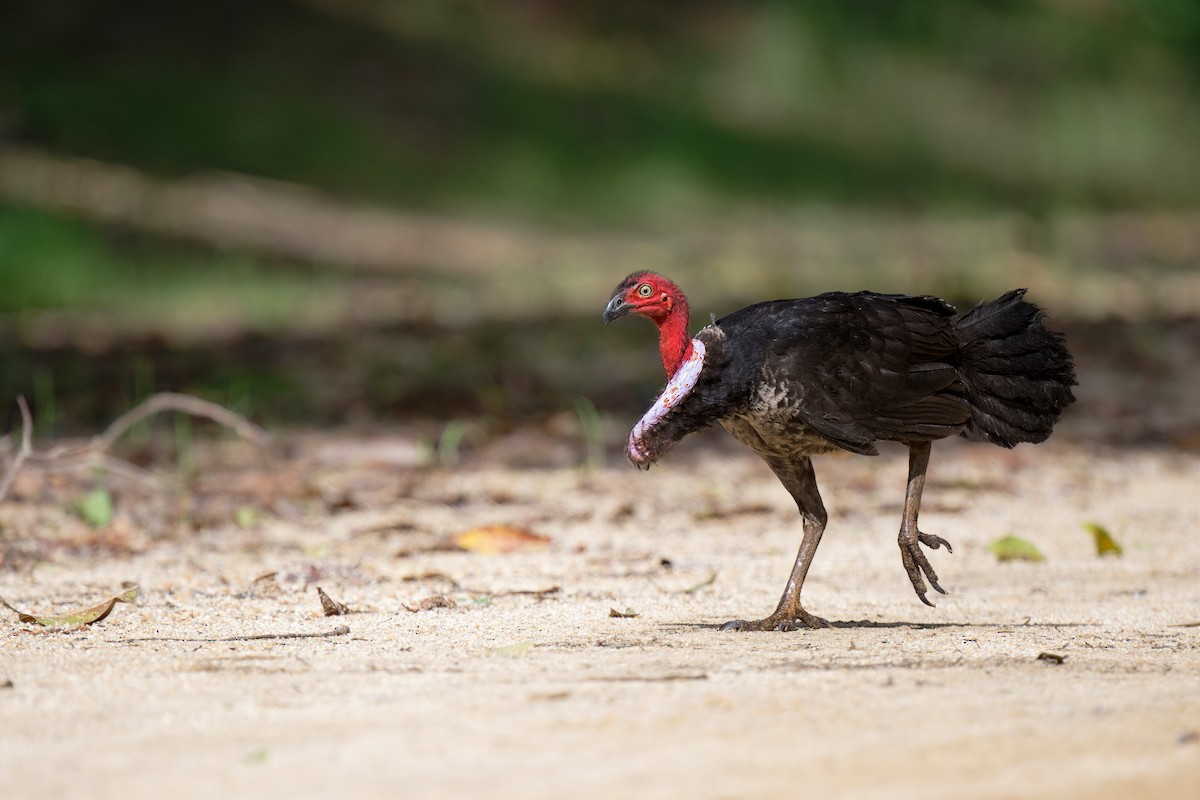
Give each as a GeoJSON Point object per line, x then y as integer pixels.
{"type": "Point", "coordinates": [1017, 372]}
{"type": "Point", "coordinates": [839, 370]}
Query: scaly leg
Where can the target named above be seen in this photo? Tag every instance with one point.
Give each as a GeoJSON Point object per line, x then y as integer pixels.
{"type": "Point", "coordinates": [801, 482]}
{"type": "Point", "coordinates": [910, 539]}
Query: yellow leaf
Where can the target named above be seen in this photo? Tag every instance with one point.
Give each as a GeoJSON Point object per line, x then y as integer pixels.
{"type": "Point", "coordinates": [1013, 548]}
{"type": "Point", "coordinates": [85, 617]}
{"type": "Point", "coordinates": [515, 650]}
{"type": "Point", "coordinates": [1105, 544]}
{"type": "Point", "coordinates": [96, 509]}
{"type": "Point", "coordinates": [706, 582]}
{"type": "Point", "coordinates": [499, 539]}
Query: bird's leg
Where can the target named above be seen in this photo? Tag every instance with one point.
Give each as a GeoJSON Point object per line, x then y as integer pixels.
{"type": "Point", "coordinates": [915, 561]}
{"type": "Point", "coordinates": [801, 482]}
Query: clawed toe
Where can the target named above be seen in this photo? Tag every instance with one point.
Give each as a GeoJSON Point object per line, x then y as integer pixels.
{"type": "Point", "coordinates": [813, 621]}
{"type": "Point", "coordinates": [768, 624]}
{"type": "Point", "coordinates": [916, 563]}
{"type": "Point", "coordinates": [778, 622]}
{"type": "Point", "coordinates": [934, 542]}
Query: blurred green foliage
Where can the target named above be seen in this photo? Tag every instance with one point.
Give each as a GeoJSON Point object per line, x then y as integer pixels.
{"type": "Point", "coordinates": [626, 111]}
{"type": "Point", "coordinates": [47, 262]}
{"type": "Point", "coordinates": [615, 114]}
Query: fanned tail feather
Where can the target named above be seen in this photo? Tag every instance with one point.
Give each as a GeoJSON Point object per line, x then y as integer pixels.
{"type": "Point", "coordinates": [1017, 372]}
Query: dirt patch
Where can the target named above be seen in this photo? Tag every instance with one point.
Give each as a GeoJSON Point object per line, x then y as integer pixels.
{"type": "Point", "coordinates": [514, 690]}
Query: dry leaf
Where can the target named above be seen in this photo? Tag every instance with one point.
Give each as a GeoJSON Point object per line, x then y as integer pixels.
{"type": "Point", "coordinates": [514, 650]}
{"type": "Point", "coordinates": [247, 516]}
{"type": "Point", "coordinates": [266, 584]}
{"type": "Point", "coordinates": [628, 613]}
{"type": "Point", "coordinates": [85, 617]}
{"type": "Point", "coordinates": [96, 508]}
{"type": "Point", "coordinates": [706, 582]}
{"type": "Point", "coordinates": [430, 603]}
{"type": "Point", "coordinates": [1013, 548]}
{"type": "Point", "coordinates": [492, 539]}
{"type": "Point", "coordinates": [1105, 544]}
{"type": "Point", "coordinates": [714, 512]}
{"type": "Point", "coordinates": [430, 576]}
{"type": "Point", "coordinates": [331, 607]}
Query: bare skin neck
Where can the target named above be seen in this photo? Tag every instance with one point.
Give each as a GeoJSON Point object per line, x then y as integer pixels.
{"type": "Point", "coordinates": [674, 343]}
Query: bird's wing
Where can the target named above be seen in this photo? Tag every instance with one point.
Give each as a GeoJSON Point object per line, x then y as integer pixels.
{"type": "Point", "coordinates": [856, 368]}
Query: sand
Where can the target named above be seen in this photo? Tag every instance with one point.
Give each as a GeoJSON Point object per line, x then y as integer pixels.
{"type": "Point", "coordinates": [529, 688]}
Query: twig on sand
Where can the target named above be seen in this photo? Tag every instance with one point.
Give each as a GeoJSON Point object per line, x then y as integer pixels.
{"type": "Point", "coordinates": [95, 452]}
{"type": "Point", "coordinates": [339, 631]}
{"type": "Point", "coordinates": [540, 594]}
{"type": "Point", "coordinates": [26, 448]}
{"type": "Point", "coordinates": [668, 678]}
{"type": "Point", "coordinates": [171, 401]}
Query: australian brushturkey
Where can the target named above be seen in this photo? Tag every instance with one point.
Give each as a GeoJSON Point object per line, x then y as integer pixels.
{"type": "Point", "coordinates": [794, 378]}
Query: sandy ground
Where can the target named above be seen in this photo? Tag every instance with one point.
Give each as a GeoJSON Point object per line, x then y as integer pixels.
{"type": "Point", "coordinates": [547, 695]}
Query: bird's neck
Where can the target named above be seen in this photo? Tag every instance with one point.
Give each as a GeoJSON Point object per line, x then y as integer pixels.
{"type": "Point", "coordinates": [674, 343]}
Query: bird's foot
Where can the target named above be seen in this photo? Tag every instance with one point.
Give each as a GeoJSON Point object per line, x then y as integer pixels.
{"type": "Point", "coordinates": [779, 621]}
{"type": "Point", "coordinates": [916, 563]}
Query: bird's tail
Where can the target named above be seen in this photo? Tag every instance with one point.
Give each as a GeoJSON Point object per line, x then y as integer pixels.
{"type": "Point", "coordinates": [1017, 372]}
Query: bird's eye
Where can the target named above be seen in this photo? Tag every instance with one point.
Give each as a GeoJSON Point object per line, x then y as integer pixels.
{"type": "Point", "coordinates": [645, 290]}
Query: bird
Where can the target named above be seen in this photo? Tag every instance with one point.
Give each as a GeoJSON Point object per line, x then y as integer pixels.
{"type": "Point", "coordinates": [792, 379]}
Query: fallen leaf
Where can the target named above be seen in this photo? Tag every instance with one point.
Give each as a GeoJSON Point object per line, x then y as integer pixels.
{"type": "Point", "coordinates": [1013, 548]}
{"type": "Point", "coordinates": [331, 607]}
{"type": "Point", "coordinates": [628, 613]}
{"type": "Point", "coordinates": [493, 539]}
{"type": "Point", "coordinates": [1105, 544]}
{"type": "Point", "coordinates": [266, 584]}
{"type": "Point", "coordinates": [430, 576]}
{"type": "Point", "coordinates": [706, 582]}
{"type": "Point", "coordinates": [247, 516]}
{"type": "Point", "coordinates": [85, 617]}
{"type": "Point", "coordinates": [713, 512]}
{"type": "Point", "coordinates": [514, 650]}
{"type": "Point", "coordinates": [96, 508]}
{"type": "Point", "coordinates": [430, 603]}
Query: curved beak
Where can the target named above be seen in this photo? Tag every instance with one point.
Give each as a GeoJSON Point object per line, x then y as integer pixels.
{"type": "Point", "coordinates": [616, 308]}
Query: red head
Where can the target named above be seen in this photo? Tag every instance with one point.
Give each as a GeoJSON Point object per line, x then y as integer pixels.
{"type": "Point", "coordinates": [658, 299]}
